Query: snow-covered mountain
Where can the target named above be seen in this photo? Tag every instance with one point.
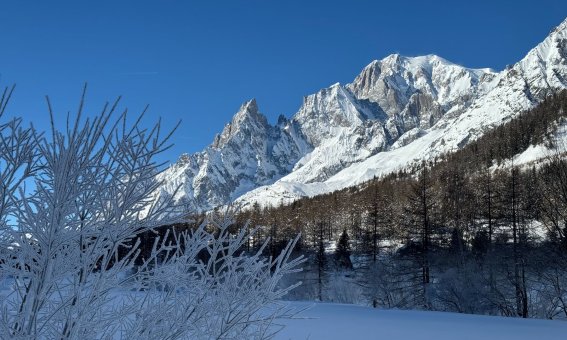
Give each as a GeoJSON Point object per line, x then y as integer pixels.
{"type": "Point", "coordinates": [248, 153]}
{"type": "Point", "coordinates": [397, 111]}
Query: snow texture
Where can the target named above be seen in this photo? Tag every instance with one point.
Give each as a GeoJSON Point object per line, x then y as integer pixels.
{"type": "Point", "coordinates": [397, 111]}
{"type": "Point", "coordinates": [335, 321]}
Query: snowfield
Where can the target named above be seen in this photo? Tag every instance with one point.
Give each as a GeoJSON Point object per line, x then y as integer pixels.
{"type": "Point", "coordinates": [337, 321]}
{"type": "Point", "coordinates": [329, 321]}
{"type": "Point", "coordinates": [398, 111]}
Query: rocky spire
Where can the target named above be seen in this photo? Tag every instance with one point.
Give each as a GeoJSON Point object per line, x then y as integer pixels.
{"type": "Point", "coordinates": [247, 118]}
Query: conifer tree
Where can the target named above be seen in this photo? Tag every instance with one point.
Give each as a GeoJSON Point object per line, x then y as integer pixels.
{"type": "Point", "coordinates": [342, 253]}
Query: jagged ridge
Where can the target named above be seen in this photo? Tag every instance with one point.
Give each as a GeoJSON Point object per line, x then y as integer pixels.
{"type": "Point", "coordinates": [396, 111]}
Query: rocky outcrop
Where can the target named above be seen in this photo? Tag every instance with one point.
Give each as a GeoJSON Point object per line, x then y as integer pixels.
{"type": "Point", "coordinates": [396, 111]}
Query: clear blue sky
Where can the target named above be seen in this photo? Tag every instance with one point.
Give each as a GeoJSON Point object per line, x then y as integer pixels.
{"type": "Point", "coordinates": [197, 61]}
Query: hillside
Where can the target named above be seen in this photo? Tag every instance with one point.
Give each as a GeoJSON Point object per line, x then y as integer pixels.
{"type": "Point", "coordinates": [335, 321]}
{"type": "Point", "coordinates": [397, 111]}
{"type": "Point", "coordinates": [474, 231]}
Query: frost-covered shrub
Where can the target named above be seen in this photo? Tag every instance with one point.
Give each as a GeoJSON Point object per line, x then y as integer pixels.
{"type": "Point", "coordinates": [71, 207]}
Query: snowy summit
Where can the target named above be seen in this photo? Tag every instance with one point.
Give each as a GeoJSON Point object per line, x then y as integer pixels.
{"type": "Point", "coordinates": [397, 111]}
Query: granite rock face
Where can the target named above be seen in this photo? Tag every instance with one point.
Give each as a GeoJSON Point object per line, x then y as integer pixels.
{"type": "Point", "coordinates": [398, 110]}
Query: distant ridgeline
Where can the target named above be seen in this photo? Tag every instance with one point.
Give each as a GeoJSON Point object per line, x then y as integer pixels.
{"type": "Point", "coordinates": [397, 111]}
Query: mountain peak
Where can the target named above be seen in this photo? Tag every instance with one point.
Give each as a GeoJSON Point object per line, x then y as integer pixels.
{"type": "Point", "coordinates": [248, 110]}
{"type": "Point", "coordinates": [248, 117]}
{"type": "Point", "coordinates": [561, 27]}
{"type": "Point", "coordinates": [543, 66]}
{"type": "Point", "coordinates": [250, 106]}
{"type": "Point", "coordinates": [398, 110]}
{"type": "Point", "coordinates": [396, 60]}
{"type": "Point", "coordinates": [393, 58]}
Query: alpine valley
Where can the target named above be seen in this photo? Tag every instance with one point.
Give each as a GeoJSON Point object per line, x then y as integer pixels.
{"type": "Point", "coordinates": [397, 111]}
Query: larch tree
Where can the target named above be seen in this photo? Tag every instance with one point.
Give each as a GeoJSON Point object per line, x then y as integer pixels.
{"type": "Point", "coordinates": [420, 208]}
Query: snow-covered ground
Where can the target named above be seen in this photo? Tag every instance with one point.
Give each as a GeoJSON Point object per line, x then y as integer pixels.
{"type": "Point", "coordinates": [328, 321]}
{"type": "Point", "coordinates": [337, 321]}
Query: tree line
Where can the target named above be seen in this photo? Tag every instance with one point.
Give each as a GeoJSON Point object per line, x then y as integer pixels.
{"type": "Point", "coordinates": [468, 231]}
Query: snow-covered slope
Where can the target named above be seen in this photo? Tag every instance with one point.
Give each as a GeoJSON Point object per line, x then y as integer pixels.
{"type": "Point", "coordinates": [334, 321]}
{"type": "Point", "coordinates": [485, 101]}
{"type": "Point", "coordinates": [249, 152]}
{"type": "Point", "coordinates": [398, 110]}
